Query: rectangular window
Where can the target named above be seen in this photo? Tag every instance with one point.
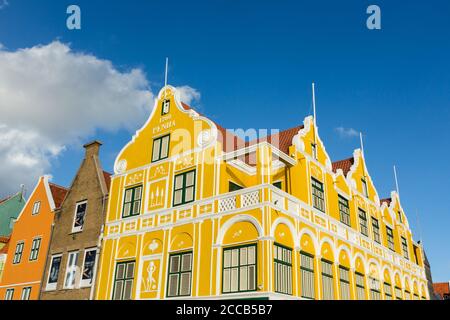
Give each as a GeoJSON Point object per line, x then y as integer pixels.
{"type": "Point", "coordinates": [307, 276]}
{"type": "Point", "coordinates": [165, 107]}
{"type": "Point", "coordinates": [9, 295]}
{"type": "Point", "coordinates": [327, 280]}
{"type": "Point", "coordinates": [400, 217]}
{"type": "Point", "coordinates": [180, 275]}
{"type": "Point", "coordinates": [318, 195]}
{"type": "Point", "coordinates": [53, 273]}
{"type": "Point", "coordinates": [184, 190]}
{"type": "Point", "coordinates": [314, 150]}
{"type": "Point", "coordinates": [387, 291]}
{"type": "Point", "coordinates": [390, 238]}
{"type": "Point", "coordinates": [407, 295]}
{"type": "Point", "coordinates": [87, 277]}
{"type": "Point", "coordinates": [36, 208]}
{"type": "Point", "coordinates": [344, 279]}
{"type": "Point", "coordinates": [160, 148]}
{"type": "Point", "coordinates": [364, 188]}
{"type": "Point", "coordinates": [123, 283]}
{"type": "Point", "coordinates": [360, 286]}
{"type": "Point", "coordinates": [283, 269]}
{"type": "Point", "coordinates": [363, 222]}
{"type": "Point", "coordinates": [35, 246]}
{"type": "Point", "coordinates": [239, 269]}
{"type": "Point", "coordinates": [71, 269]}
{"type": "Point", "coordinates": [18, 252]}
{"type": "Point", "coordinates": [376, 230]}
{"type": "Point", "coordinates": [405, 248]}
{"type": "Point", "coordinates": [80, 213]}
{"type": "Point", "coordinates": [233, 187]}
{"type": "Point", "coordinates": [26, 292]}
{"type": "Point", "coordinates": [132, 202]}
{"type": "Point", "coordinates": [398, 293]}
{"type": "Point", "coordinates": [374, 289]}
{"type": "Point", "coordinates": [344, 211]}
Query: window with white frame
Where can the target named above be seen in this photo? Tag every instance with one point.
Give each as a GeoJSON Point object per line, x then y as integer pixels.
{"type": "Point", "coordinates": [405, 248]}
{"type": "Point", "coordinates": [132, 201]}
{"type": "Point", "coordinates": [36, 208]}
{"type": "Point", "coordinates": [327, 280]}
{"type": "Point", "coordinates": [398, 293]}
{"type": "Point", "coordinates": [344, 211]}
{"type": "Point", "coordinates": [18, 252]}
{"type": "Point", "coordinates": [307, 275]}
{"type": "Point", "coordinates": [71, 270]}
{"type": "Point", "coordinates": [387, 291]}
{"type": "Point", "coordinates": [165, 107]}
{"type": "Point", "coordinates": [80, 213]}
{"type": "Point", "coordinates": [376, 230]}
{"type": "Point", "coordinates": [239, 269]}
{"type": "Point", "coordinates": [318, 196]}
{"type": "Point", "coordinates": [35, 246]}
{"type": "Point", "coordinates": [344, 280]}
{"type": "Point", "coordinates": [26, 292]}
{"type": "Point", "coordinates": [363, 222]}
{"type": "Point", "coordinates": [375, 290]}
{"type": "Point", "coordinates": [53, 273]}
{"type": "Point", "coordinates": [180, 274]}
{"type": "Point", "coordinates": [9, 295]}
{"type": "Point", "coordinates": [283, 269]}
{"type": "Point", "coordinates": [365, 190]}
{"type": "Point", "coordinates": [314, 150]}
{"type": "Point", "coordinates": [123, 281]}
{"type": "Point", "coordinates": [160, 149]}
{"type": "Point", "coordinates": [360, 286]}
{"type": "Point", "coordinates": [184, 188]}
{"type": "Point", "coordinates": [87, 276]}
{"type": "Point", "coordinates": [390, 238]}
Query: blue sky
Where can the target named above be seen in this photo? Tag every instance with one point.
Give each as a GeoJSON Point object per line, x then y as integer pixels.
{"type": "Point", "coordinates": [253, 63]}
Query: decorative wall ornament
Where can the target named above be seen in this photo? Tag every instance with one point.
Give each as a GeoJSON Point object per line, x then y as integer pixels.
{"type": "Point", "coordinates": [121, 166]}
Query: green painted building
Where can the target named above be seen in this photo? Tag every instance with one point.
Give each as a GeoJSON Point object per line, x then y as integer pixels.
{"type": "Point", "coordinates": [10, 209]}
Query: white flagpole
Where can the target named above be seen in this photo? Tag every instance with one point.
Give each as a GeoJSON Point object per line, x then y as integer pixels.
{"type": "Point", "coordinates": [396, 181]}
{"type": "Point", "coordinates": [362, 143]}
{"type": "Point", "coordinates": [314, 103]}
{"type": "Point", "coordinates": [165, 77]}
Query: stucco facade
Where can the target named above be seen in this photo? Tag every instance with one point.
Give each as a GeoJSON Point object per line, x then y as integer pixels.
{"type": "Point", "coordinates": [196, 212]}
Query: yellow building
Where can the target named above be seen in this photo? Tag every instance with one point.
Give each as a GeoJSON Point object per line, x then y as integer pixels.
{"type": "Point", "coordinates": [196, 212]}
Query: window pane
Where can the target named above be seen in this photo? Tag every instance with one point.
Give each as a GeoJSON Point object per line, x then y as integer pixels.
{"type": "Point", "coordinates": [190, 178]}
{"type": "Point", "coordinates": [89, 262]}
{"type": "Point", "coordinates": [54, 270]}
{"type": "Point", "coordinates": [185, 284]}
{"type": "Point", "coordinates": [175, 264]}
{"type": "Point", "coordinates": [251, 278]}
{"type": "Point", "coordinates": [251, 255]}
{"type": "Point", "coordinates": [156, 148]}
{"type": "Point", "coordinates": [126, 209]}
{"type": "Point", "coordinates": [173, 285]}
{"type": "Point", "coordinates": [136, 207]}
{"type": "Point", "coordinates": [127, 289]}
{"type": "Point", "coordinates": [189, 196]}
{"type": "Point", "coordinates": [120, 271]}
{"type": "Point", "coordinates": [243, 279]}
{"type": "Point", "coordinates": [178, 197]}
{"type": "Point", "coordinates": [234, 279]}
{"type": "Point", "coordinates": [165, 147]}
{"type": "Point", "coordinates": [226, 280]}
{"type": "Point", "coordinates": [118, 290]}
{"type": "Point", "coordinates": [128, 194]}
{"type": "Point", "coordinates": [243, 256]}
{"type": "Point", "coordinates": [227, 258]}
{"type": "Point", "coordinates": [186, 262]}
{"type": "Point", "coordinates": [179, 182]}
{"type": "Point", "coordinates": [235, 257]}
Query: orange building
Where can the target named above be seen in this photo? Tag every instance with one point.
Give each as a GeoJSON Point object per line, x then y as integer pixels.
{"type": "Point", "coordinates": [29, 241]}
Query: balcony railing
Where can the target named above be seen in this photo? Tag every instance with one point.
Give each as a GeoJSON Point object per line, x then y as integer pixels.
{"type": "Point", "coordinates": [258, 196]}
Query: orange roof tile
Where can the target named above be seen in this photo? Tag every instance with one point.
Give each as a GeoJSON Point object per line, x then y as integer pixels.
{"type": "Point", "coordinates": [107, 177]}
{"type": "Point", "coordinates": [441, 288]}
{"type": "Point", "coordinates": [58, 193]}
{"type": "Point", "coordinates": [345, 165]}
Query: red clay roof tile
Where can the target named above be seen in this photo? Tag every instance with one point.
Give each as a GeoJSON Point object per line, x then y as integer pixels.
{"type": "Point", "coordinates": [345, 165]}
{"type": "Point", "coordinates": [58, 193]}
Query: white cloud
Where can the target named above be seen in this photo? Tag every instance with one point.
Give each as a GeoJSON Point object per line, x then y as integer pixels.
{"type": "Point", "coordinates": [3, 4]}
{"type": "Point", "coordinates": [346, 132]}
{"type": "Point", "coordinates": [188, 95]}
{"type": "Point", "coordinates": [53, 97]}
